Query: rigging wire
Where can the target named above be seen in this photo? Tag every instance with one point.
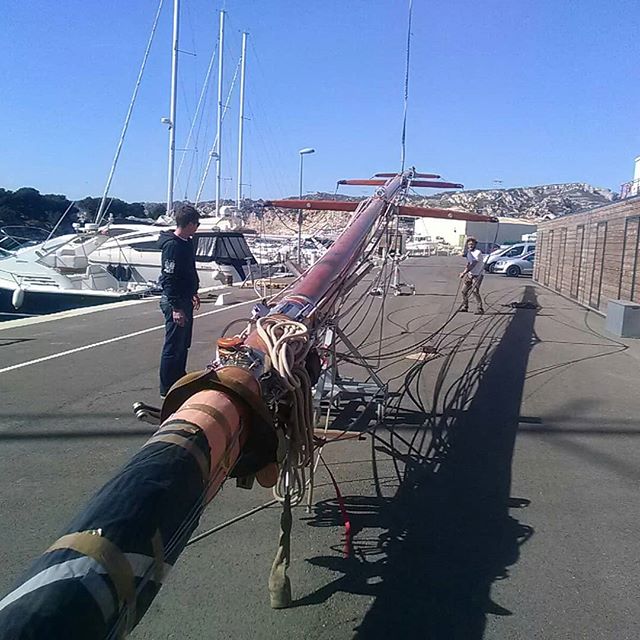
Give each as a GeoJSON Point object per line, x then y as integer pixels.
{"type": "Point", "coordinates": [278, 134]}
{"type": "Point", "coordinates": [101, 210]}
{"type": "Point", "coordinates": [211, 153]}
{"type": "Point", "coordinates": [203, 93]}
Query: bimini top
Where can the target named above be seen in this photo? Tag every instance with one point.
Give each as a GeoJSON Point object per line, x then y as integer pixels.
{"type": "Point", "coordinates": [223, 247]}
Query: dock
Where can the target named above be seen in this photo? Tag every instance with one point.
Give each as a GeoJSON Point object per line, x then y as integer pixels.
{"type": "Point", "coordinates": [500, 502]}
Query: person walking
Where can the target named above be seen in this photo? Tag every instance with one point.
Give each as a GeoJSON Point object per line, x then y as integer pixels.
{"type": "Point", "coordinates": [472, 276]}
{"type": "Point", "coordinates": [179, 282]}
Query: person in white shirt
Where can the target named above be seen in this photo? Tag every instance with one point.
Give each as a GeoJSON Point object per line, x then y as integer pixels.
{"type": "Point", "coordinates": [472, 276]}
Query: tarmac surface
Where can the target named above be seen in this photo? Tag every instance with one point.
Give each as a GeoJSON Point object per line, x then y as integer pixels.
{"type": "Point", "coordinates": [499, 499]}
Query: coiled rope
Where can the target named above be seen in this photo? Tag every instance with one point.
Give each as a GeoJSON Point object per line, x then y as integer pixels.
{"type": "Point", "coordinates": [287, 343]}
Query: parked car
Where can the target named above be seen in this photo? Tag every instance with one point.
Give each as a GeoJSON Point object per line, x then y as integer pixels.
{"type": "Point", "coordinates": [514, 251]}
{"type": "Point", "coordinates": [487, 248]}
{"type": "Point", "coordinates": [515, 267]}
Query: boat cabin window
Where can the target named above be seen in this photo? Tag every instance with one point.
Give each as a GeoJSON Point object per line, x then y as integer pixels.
{"type": "Point", "coordinates": [223, 248]}
{"type": "Point", "coordinates": [151, 245]}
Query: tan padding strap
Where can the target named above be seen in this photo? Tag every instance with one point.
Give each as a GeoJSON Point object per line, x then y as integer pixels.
{"type": "Point", "coordinates": [212, 412]}
{"type": "Point", "coordinates": [107, 554]}
{"type": "Point", "coordinates": [188, 445]}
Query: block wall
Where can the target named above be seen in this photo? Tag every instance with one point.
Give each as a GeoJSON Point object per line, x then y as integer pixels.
{"type": "Point", "coordinates": [592, 257]}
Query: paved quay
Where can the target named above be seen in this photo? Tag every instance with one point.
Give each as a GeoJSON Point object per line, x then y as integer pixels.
{"type": "Point", "coordinates": [498, 501]}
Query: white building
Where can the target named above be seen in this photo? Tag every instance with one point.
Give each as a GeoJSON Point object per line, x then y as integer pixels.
{"type": "Point", "coordinates": [454, 232]}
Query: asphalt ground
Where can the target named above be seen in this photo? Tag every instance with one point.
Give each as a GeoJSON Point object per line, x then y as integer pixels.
{"type": "Point", "coordinates": [498, 500]}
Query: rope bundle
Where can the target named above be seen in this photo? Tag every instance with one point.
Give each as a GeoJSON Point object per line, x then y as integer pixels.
{"type": "Point", "coordinates": [287, 343]}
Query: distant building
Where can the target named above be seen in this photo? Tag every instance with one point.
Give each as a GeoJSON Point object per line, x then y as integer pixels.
{"type": "Point", "coordinates": [454, 232]}
{"type": "Point", "coordinates": [632, 188]}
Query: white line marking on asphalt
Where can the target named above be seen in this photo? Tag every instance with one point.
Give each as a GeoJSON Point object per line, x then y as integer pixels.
{"type": "Point", "coordinates": [71, 313]}
{"type": "Point", "coordinates": [69, 352]}
{"type": "Point", "coordinates": [18, 323]}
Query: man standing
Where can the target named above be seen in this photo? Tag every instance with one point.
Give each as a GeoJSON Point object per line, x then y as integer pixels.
{"type": "Point", "coordinates": [472, 276]}
{"type": "Point", "coordinates": [179, 282]}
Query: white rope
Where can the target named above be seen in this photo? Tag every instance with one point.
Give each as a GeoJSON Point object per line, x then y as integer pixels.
{"type": "Point", "coordinates": [287, 343]}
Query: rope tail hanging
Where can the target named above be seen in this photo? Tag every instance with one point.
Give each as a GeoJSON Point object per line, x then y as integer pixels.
{"type": "Point", "coordinates": [279, 583]}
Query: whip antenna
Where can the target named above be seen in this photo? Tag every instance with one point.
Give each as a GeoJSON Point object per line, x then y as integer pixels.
{"type": "Point", "coordinates": [406, 90]}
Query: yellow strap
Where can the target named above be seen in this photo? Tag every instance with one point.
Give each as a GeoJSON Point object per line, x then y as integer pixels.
{"type": "Point", "coordinates": [188, 445]}
{"type": "Point", "coordinates": [104, 552]}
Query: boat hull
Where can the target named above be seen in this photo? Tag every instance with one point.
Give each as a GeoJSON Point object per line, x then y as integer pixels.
{"type": "Point", "coordinates": [44, 302]}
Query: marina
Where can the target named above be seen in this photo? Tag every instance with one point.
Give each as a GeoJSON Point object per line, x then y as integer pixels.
{"type": "Point", "coordinates": [301, 381]}
{"type": "Point", "coordinates": [522, 420]}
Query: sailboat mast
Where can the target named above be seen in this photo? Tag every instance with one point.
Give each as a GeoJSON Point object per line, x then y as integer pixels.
{"type": "Point", "coordinates": [241, 118]}
{"type": "Point", "coordinates": [172, 113]}
{"type": "Point", "coordinates": [219, 119]}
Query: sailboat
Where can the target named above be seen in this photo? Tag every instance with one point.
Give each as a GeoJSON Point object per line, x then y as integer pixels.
{"type": "Point", "coordinates": [221, 251]}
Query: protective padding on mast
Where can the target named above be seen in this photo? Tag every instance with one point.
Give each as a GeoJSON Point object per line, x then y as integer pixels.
{"type": "Point", "coordinates": [100, 577]}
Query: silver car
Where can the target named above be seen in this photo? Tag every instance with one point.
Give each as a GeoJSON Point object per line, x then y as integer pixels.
{"type": "Point", "coordinates": [513, 251]}
{"type": "Point", "coordinates": [514, 267]}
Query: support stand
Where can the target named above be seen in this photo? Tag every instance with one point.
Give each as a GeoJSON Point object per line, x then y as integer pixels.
{"type": "Point", "coordinates": [398, 285]}
{"type": "Point", "coordinates": [351, 405]}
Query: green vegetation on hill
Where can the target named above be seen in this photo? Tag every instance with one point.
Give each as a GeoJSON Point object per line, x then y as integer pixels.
{"type": "Point", "coordinates": [27, 206]}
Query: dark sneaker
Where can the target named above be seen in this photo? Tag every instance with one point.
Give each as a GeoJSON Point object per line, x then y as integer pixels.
{"type": "Point", "coordinates": [463, 309]}
{"type": "Point", "coordinates": [480, 312]}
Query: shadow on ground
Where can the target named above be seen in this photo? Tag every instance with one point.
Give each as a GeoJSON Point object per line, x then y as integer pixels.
{"type": "Point", "coordinates": [447, 532]}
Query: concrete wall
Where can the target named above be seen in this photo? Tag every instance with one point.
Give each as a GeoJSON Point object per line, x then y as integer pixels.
{"type": "Point", "coordinates": [592, 257]}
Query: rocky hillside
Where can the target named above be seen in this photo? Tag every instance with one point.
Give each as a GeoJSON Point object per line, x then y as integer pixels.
{"type": "Point", "coordinates": [532, 203]}
{"type": "Point", "coordinates": [523, 202]}
{"type": "Point", "coordinates": [28, 206]}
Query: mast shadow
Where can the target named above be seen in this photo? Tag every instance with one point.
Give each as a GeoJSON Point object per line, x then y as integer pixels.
{"type": "Point", "coordinates": [448, 534]}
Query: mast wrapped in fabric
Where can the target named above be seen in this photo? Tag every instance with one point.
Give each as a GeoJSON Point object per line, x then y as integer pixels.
{"type": "Point", "coordinates": [100, 577]}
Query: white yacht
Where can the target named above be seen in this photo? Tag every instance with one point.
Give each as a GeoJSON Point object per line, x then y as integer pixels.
{"type": "Point", "coordinates": [222, 257]}
{"type": "Point", "coordinates": [30, 286]}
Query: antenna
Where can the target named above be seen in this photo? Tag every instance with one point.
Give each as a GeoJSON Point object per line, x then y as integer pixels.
{"type": "Point", "coordinates": [406, 90]}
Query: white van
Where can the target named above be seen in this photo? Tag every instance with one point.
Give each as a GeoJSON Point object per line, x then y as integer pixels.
{"type": "Point", "coordinates": [513, 251]}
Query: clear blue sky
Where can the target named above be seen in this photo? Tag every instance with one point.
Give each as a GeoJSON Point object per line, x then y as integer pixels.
{"type": "Point", "coordinates": [521, 91]}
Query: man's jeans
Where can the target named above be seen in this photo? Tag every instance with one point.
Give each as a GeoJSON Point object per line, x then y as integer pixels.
{"type": "Point", "coordinates": [177, 341]}
{"type": "Point", "coordinates": [471, 285]}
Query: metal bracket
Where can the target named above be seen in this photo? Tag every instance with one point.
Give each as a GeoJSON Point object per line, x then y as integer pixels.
{"type": "Point", "coordinates": [354, 404]}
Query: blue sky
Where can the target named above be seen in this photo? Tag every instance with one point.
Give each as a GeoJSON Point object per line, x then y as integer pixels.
{"type": "Point", "coordinates": [514, 90]}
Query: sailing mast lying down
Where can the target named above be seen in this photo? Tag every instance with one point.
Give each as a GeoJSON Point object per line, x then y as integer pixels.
{"type": "Point", "coordinates": [247, 416]}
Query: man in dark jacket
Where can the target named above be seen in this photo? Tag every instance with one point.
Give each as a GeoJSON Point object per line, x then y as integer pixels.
{"type": "Point", "coordinates": [179, 282]}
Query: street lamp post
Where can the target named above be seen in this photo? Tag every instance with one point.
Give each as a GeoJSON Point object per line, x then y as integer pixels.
{"type": "Point", "coordinates": [303, 153]}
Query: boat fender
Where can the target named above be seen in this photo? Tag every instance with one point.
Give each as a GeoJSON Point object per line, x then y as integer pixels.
{"type": "Point", "coordinates": [17, 299]}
